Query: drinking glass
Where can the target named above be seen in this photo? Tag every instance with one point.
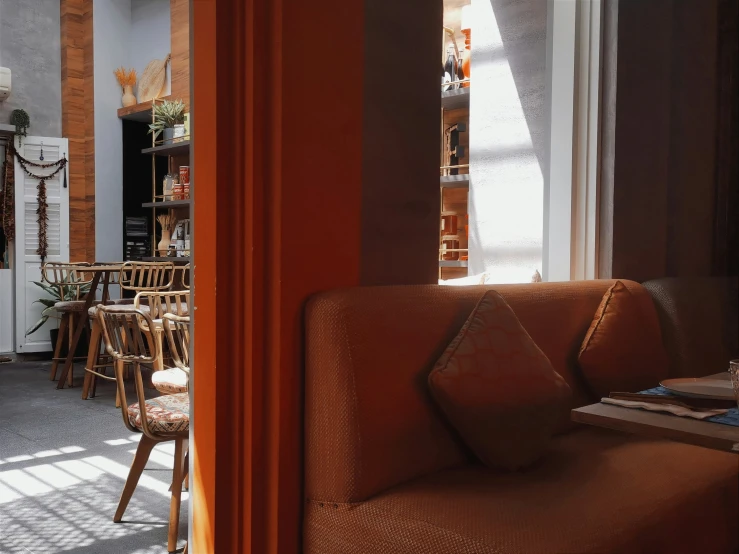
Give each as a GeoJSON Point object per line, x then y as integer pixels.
{"type": "Point", "coordinates": [734, 372]}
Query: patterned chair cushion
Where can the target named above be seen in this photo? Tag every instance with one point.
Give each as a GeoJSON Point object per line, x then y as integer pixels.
{"type": "Point", "coordinates": [165, 414]}
{"type": "Point", "coordinates": [170, 381]}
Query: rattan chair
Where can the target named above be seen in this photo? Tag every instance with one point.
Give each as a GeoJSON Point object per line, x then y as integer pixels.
{"type": "Point", "coordinates": [69, 279]}
{"type": "Point", "coordinates": [129, 339]}
{"type": "Point", "coordinates": [134, 277]}
{"type": "Point", "coordinates": [157, 304]}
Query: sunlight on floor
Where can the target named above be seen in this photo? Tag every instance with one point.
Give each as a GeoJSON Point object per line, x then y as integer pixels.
{"type": "Point", "coordinates": [73, 521]}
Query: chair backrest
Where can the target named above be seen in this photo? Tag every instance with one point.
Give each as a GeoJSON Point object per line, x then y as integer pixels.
{"type": "Point", "coordinates": [185, 277]}
{"type": "Point", "coordinates": [147, 276]}
{"type": "Point", "coordinates": [159, 303]}
{"type": "Point", "coordinates": [128, 338]}
{"type": "Point", "coordinates": [177, 330]}
{"type": "Point", "coordinates": [68, 278]}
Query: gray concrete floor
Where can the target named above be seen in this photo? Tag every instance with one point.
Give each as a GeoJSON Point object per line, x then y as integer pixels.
{"type": "Point", "coordinates": [63, 463]}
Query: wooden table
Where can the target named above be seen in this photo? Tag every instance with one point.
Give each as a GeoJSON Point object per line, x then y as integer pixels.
{"type": "Point", "coordinates": [661, 426]}
{"type": "Point", "coordinates": [101, 272]}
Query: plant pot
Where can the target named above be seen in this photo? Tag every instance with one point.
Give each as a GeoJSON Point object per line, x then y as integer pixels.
{"type": "Point", "coordinates": [179, 132]}
{"type": "Point", "coordinates": [168, 134]}
{"type": "Point", "coordinates": [163, 245]}
{"type": "Point", "coordinates": [128, 97]}
{"type": "Point", "coordinates": [79, 352]}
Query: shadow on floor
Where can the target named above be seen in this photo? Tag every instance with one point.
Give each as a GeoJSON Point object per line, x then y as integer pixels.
{"type": "Point", "coordinates": [63, 462]}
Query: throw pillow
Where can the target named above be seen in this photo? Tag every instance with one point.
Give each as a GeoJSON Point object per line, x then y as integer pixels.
{"type": "Point", "coordinates": [498, 389]}
{"type": "Point", "coordinates": [623, 350]}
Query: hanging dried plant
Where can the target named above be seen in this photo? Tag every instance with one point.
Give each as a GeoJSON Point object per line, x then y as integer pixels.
{"type": "Point", "coordinates": [7, 210]}
{"type": "Point", "coordinates": [125, 77]}
{"type": "Point", "coordinates": [42, 211]}
{"type": "Point", "coordinates": [43, 221]}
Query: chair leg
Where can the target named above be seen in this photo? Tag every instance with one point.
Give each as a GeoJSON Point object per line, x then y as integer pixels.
{"type": "Point", "coordinates": [137, 467]}
{"type": "Point", "coordinates": [93, 353]}
{"type": "Point", "coordinates": [60, 338]}
{"type": "Point", "coordinates": [186, 478]}
{"type": "Point", "coordinates": [174, 506]}
{"type": "Point", "coordinates": [70, 328]}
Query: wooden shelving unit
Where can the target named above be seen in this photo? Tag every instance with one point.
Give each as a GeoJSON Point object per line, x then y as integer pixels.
{"type": "Point", "coordinates": [454, 184]}
{"type": "Point", "coordinates": [169, 204]}
{"type": "Point", "coordinates": [181, 148]}
{"type": "Point", "coordinates": [140, 112]}
{"type": "Point", "coordinates": [453, 263]}
{"type": "Point", "coordinates": [455, 181]}
{"type": "Point", "coordinates": [456, 99]}
{"type": "Point", "coordinates": [177, 154]}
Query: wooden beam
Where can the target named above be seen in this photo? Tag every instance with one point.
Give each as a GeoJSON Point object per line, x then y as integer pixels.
{"type": "Point", "coordinates": [180, 37]}
{"type": "Point", "coordinates": [78, 124]}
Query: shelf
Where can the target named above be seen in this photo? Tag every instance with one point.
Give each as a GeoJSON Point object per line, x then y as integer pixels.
{"type": "Point", "coordinates": [139, 112]}
{"type": "Point", "coordinates": [453, 263]}
{"type": "Point", "coordinates": [168, 204]}
{"type": "Point", "coordinates": [171, 149]}
{"type": "Point", "coordinates": [181, 259]}
{"type": "Point", "coordinates": [455, 99]}
{"type": "Point", "coordinates": [454, 181]}
{"type": "Point", "coordinates": [6, 129]}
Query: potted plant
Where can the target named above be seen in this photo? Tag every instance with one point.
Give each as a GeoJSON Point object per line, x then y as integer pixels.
{"type": "Point", "coordinates": [167, 115]}
{"type": "Point", "coordinates": [67, 293]}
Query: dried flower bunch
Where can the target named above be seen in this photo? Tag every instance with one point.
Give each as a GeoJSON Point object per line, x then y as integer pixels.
{"type": "Point", "coordinates": [125, 77]}
{"type": "Point", "coordinates": [167, 221]}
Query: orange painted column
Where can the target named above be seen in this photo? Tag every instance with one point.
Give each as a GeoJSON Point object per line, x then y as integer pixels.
{"type": "Point", "coordinates": [277, 189]}
{"type": "Point", "coordinates": [309, 173]}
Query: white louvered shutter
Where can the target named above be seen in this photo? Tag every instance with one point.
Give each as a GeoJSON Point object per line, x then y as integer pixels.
{"type": "Point", "coordinates": [27, 262]}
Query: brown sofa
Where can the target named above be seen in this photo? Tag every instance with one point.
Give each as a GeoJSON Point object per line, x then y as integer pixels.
{"type": "Point", "coordinates": [384, 473]}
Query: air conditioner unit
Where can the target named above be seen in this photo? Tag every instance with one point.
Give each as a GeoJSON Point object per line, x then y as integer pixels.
{"type": "Point", "coordinates": [5, 83]}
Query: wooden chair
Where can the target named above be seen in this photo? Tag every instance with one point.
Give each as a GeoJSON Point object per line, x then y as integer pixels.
{"type": "Point", "coordinates": [129, 339]}
{"type": "Point", "coordinates": [185, 277]}
{"type": "Point", "coordinates": [69, 279]}
{"type": "Point", "coordinates": [160, 303]}
{"type": "Point", "coordinates": [134, 277]}
{"type": "Point", "coordinates": [147, 276]}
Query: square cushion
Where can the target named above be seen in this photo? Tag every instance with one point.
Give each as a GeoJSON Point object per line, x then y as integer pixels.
{"type": "Point", "coordinates": [498, 389]}
{"type": "Point", "coordinates": [623, 350]}
{"type": "Point", "coordinates": [170, 381]}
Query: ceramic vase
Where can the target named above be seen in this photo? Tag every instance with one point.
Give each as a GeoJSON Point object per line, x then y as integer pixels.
{"type": "Point", "coordinates": [128, 97]}
{"type": "Point", "coordinates": [168, 134]}
{"type": "Point", "coordinates": [179, 132]}
{"type": "Point", "coordinates": [163, 245]}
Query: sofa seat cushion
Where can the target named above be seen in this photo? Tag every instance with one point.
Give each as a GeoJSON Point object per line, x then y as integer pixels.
{"type": "Point", "coordinates": [595, 491]}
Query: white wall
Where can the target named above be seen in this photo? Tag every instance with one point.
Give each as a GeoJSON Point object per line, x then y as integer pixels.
{"type": "Point", "coordinates": [128, 33]}
{"type": "Point", "coordinates": [508, 138]}
{"type": "Point", "coordinates": [150, 35]}
{"type": "Point", "coordinates": [111, 38]}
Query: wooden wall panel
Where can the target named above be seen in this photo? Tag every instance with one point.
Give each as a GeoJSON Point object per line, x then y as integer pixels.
{"type": "Point", "coordinates": [78, 124]}
{"type": "Point", "coordinates": [180, 37]}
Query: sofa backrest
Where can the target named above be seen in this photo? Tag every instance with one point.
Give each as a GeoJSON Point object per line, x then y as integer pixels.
{"type": "Point", "coordinates": [699, 321]}
{"type": "Point", "coordinates": [370, 422]}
